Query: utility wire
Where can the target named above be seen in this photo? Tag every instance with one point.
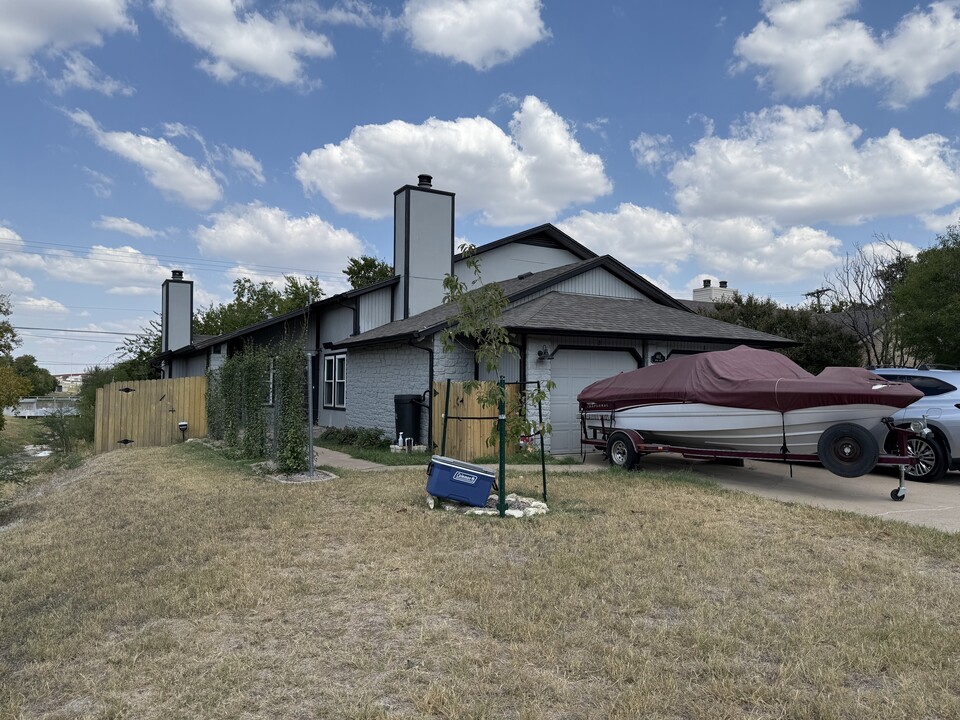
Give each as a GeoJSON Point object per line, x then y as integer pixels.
{"type": "Point", "coordinates": [97, 332]}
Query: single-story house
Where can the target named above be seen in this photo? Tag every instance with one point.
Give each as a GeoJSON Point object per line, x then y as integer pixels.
{"type": "Point", "coordinates": [573, 316]}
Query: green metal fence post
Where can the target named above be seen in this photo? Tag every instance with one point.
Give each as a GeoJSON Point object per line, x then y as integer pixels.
{"type": "Point", "coordinates": [543, 459]}
{"type": "Point", "coordinates": [502, 421]}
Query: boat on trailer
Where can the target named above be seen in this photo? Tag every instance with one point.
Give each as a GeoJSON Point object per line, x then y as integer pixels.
{"type": "Point", "coordinates": [746, 403]}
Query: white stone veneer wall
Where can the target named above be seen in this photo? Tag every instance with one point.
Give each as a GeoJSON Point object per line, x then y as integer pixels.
{"type": "Point", "coordinates": [457, 365]}
{"type": "Point", "coordinates": [538, 370]}
{"type": "Point", "coordinates": [375, 376]}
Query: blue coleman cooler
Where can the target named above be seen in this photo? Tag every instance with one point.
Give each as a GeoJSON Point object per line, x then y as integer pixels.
{"type": "Point", "coordinates": [460, 481]}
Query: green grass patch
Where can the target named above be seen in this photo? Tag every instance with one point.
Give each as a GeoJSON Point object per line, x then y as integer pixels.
{"type": "Point", "coordinates": [172, 582]}
{"type": "Point", "coordinates": [377, 455]}
{"type": "Point", "coordinates": [19, 432]}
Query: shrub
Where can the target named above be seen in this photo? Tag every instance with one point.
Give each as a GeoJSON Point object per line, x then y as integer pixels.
{"type": "Point", "coordinates": [240, 394]}
{"type": "Point", "coordinates": [373, 438]}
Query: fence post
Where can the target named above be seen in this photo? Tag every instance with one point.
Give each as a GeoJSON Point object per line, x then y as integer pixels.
{"type": "Point", "coordinates": [502, 422]}
{"type": "Point", "coordinates": [310, 354]}
{"type": "Point", "coordinates": [446, 411]}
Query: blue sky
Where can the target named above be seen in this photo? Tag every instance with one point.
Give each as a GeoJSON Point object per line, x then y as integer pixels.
{"type": "Point", "coordinates": [755, 142]}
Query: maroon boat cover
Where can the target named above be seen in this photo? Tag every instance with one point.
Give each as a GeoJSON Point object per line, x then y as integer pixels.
{"type": "Point", "coordinates": [745, 378]}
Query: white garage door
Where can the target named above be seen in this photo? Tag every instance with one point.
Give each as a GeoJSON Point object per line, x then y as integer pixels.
{"type": "Point", "coordinates": [572, 371]}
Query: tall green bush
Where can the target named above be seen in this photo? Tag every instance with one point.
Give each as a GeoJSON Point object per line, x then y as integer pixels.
{"type": "Point", "coordinates": [250, 388]}
{"type": "Point", "coordinates": [290, 389]}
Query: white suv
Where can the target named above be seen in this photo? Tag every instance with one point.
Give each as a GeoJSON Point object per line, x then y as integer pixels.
{"type": "Point", "coordinates": [940, 405]}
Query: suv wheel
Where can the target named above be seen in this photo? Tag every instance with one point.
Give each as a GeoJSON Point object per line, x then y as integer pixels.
{"type": "Point", "coordinates": [932, 461]}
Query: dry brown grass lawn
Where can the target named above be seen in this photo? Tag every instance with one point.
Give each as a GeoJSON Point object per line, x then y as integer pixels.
{"type": "Point", "coordinates": [169, 583]}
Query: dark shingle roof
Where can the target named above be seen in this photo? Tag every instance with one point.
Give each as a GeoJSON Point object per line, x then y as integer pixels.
{"type": "Point", "coordinates": [658, 317]}
{"type": "Point", "coordinates": [564, 313]}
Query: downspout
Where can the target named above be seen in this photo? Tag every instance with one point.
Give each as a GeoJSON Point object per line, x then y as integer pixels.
{"type": "Point", "coordinates": [429, 393]}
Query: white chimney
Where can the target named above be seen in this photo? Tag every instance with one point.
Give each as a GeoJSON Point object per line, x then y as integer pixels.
{"type": "Point", "coordinates": [708, 293]}
{"type": "Point", "coordinates": [422, 245]}
{"type": "Point", "coordinates": [176, 315]}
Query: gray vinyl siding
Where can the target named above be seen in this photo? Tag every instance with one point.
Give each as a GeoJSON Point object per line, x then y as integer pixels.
{"type": "Point", "coordinates": [508, 261]}
{"type": "Point", "coordinates": [509, 368]}
{"type": "Point", "coordinates": [335, 324]}
{"type": "Point", "coordinates": [597, 282]}
{"type": "Point", "coordinates": [178, 368]}
{"type": "Point", "coordinates": [374, 308]}
{"type": "Point", "coordinates": [196, 365]}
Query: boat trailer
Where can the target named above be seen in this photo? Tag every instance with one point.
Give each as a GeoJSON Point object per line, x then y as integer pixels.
{"type": "Point", "coordinates": [845, 453]}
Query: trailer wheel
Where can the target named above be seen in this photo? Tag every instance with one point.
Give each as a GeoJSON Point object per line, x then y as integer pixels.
{"type": "Point", "coordinates": [621, 452]}
{"type": "Point", "coordinates": [848, 450]}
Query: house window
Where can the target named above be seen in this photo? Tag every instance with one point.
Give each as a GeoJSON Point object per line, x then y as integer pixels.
{"type": "Point", "coordinates": [335, 381]}
{"type": "Point", "coordinates": [268, 384]}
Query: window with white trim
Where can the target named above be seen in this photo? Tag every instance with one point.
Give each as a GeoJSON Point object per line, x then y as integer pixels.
{"type": "Point", "coordinates": [335, 381]}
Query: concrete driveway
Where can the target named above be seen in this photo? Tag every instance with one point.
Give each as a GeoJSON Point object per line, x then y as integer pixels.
{"type": "Point", "coordinates": [935, 505]}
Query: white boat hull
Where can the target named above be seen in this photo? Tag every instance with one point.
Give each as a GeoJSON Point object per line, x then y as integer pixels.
{"type": "Point", "coordinates": [699, 425]}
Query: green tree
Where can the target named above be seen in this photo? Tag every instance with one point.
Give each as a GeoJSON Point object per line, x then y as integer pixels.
{"type": "Point", "coordinates": [12, 386]}
{"type": "Point", "coordinates": [255, 302]}
{"type": "Point", "coordinates": [927, 301]}
{"type": "Point", "coordinates": [478, 318]}
{"type": "Point", "coordinates": [9, 340]}
{"type": "Point", "coordinates": [41, 382]}
{"type": "Point", "coordinates": [366, 270]}
{"type": "Point", "coordinates": [824, 342]}
{"type": "Point", "coordinates": [479, 309]}
{"type": "Point", "coordinates": [252, 303]}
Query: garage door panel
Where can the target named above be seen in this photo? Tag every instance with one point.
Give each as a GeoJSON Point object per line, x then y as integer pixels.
{"type": "Point", "coordinates": [572, 371]}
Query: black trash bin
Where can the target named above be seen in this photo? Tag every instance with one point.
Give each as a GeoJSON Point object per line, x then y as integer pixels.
{"type": "Point", "coordinates": [407, 409]}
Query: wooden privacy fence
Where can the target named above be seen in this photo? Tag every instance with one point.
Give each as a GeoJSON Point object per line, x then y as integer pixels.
{"type": "Point", "coordinates": [466, 438]}
{"type": "Point", "coordinates": [146, 413]}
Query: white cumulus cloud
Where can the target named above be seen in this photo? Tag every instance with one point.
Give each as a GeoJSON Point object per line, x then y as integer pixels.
{"type": "Point", "coordinates": [938, 222]}
{"type": "Point", "coordinates": [749, 248]}
{"type": "Point", "coordinates": [125, 226]}
{"type": "Point", "coordinates": [637, 236]}
{"type": "Point", "coordinates": [28, 27]}
{"type": "Point", "coordinates": [41, 306]}
{"type": "Point", "coordinates": [166, 168]}
{"type": "Point", "coordinates": [480, 33]}
{"type": "Point", "coordinates": [120, 268]}
{"type": "Point", "coordinates": [803, 165]}
{"type": "Point", "coordinates": [240, 40]}
{"type": "Point", "coordinates": [80, 72]}
{"type": "Point", "coordinates": [526, 176]}
{"type": "Point", "coordinates": [13, 282]}
{"type": "Point", "coordinates": [245, 162]}
{"type": "Point", "coordinates": [653, 151]}
{"type": "Point", "coordinates": [745, 247]}
{"type": "Point", "coordinates": [267, 236]}
{"type": "Point", "coordinates": [809, 47]}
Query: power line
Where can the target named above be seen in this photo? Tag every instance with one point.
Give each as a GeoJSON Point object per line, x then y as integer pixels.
{"type": "Point", "coordinates": [73, 339]}
{"type": "Point", "coordinates": [98, 332]}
